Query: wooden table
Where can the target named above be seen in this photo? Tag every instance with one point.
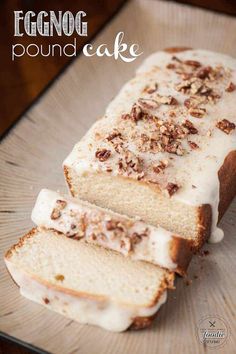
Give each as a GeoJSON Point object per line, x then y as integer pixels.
{"type": "Point", "coordinates": [31, 156]}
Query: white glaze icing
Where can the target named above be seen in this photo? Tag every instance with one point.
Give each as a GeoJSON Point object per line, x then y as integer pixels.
{"type": "Point", "coordinates": [155, 247]}
{"type": "Point", "coordinates": [106, 314]}
{"type": "Point", "coordinates": [196, 168]}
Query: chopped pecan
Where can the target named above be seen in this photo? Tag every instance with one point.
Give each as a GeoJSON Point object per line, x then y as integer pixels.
{"type": "Point", "coordinates": [102, 154]}
{"type": "Point", "coordinates": [46, 300]}
{"type": "Point", "coordinates": [226, 126]}
{"type": "Point", "coordinates": [136, 238]}
{"type": "Point", "coordinates": [148, 103]}
{"type": "Point", "coordinates": [113, 135]}
{"type": "Point", "coordinates": [56, 212]}
{"type": "Point", "coordinates": [170, 100]}
{"type": "Point", "coordinates": [183, 86]}
{"type": "Point", "coordinates": [114, 225]}
{"type": "Point", "coordinates": [197, 112]}
{"type": "Point", "coordinates": [125, 244]}
{"type": "Point", "coordinates": [171, 66]}
{"type": "Point", "coordinates": [231, 87]}
{"type": "Point", "coordinates": [188, 103]}
{"type": "Point", "coordinates": [193, 145]}
{"type": "Point", "coordinates": [172, 188]}
{"type": "Point", "coordinates": [61, 204]}
{"type": "Point", "coordinates": [193, 63]}
{"type": "Point", "coordinates": [174, 148]}
{"type": "Point", "coordinates": [131, 161]}
{"type": "Point", "coordinates": [204, 72]}
{"type": "Point", "coordinates": [101, 237]}
{"type": "Point", "coordinates": [159, 168]}
{"type": "Point", "coordinates": [186, 76]}
{"type": "Point", "coordinates": [190, 127]}
{"type": "Point", "coordinates": [151, 88]}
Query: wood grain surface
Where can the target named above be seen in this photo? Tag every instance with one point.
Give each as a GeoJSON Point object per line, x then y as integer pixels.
{"type": "Point", "coordinates": [31, 157]}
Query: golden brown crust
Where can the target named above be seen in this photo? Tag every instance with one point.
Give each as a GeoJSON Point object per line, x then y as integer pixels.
{"type": "Point", "coordinates": [68, 180]}
{"type": "Point", "coordinates": [181, 251]}
{"type": "Point", "coordinates": [142, 322]}
{"type": "Point", "coordinates": [204, 225]}
{"type": "Point", "coordinates": [20, 243]}
{"type": "Point", "coordinates": [227, 177]}
{"type": "Point", "coordinates": [176, 49]}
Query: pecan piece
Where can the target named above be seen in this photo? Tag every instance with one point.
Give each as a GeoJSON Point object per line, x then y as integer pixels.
{"type": "Point", "coordinates": [159, 168]}
{"type": "Point", "coordinates": [204, 72]}
{"type": "Point", "coordinates": [171, 66]}
{"type": "Point", "coordinates": [125, 244]}
{"type": "Point", "coordinates": [226, 126]}
{"type": "Point", "coordinates": [148, 103]}
{"type": "Point", "coordinates": [231, 87]}
{"type": "Point", "coordinates": [114, 225]}
{"type": "Point", "coordinates": [56, 212]}
{"type": "Point", "coordinates": [113, 135]}
{"type": "Point", "coordinates": [151, 89]}
{"type": "Point", "coordinates": [172, 188]}
{"type": "Point", "coordinates": [187, 103]}
{"type": "Point", "coordinates": [102, 154]}
{"type": "Point", "coordinates": [61, 204]}
{"type": "Point", "coordinates": [170, 100]}
{"type": "Point", "coordinates": [190, 127]}
{"type": "Point", "coordinates": [193, 145]}
{"type": "Point", "coordinates": [194, 63]}
{"type": "Point", "coordinates": [197, 112]}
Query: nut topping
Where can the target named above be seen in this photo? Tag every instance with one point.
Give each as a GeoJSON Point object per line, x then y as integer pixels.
{"type": "Point", "coordinates": [197, 112]}
{"type": "Point", "coordinates": [56, 212]}
{"type": "Point", "coordinates": [151, 89]}
{"type": "Point", "coordinates": [204, 72]}
{"type": "Point", "coordinates": [189, 125]}
{"type": "Point", "coordinates": [148, 103]}
{"type": "Point", "coordinates": [172, 188]}
{"type": "Point", "coordinates": [226, 126]}
{"type": "Point", "coordinates": [193, 145]}
{"type": "Point", "coordinates": [193, 63]}
{"type": "Point", "coordinates": [114, 225]}
{"type": "Point", "coordinates": [170, 100]}
{"type": "Point", "coordinates": [161, 167]}
{"type": "Point", "coordinates": [231, 87]}
{"type": "Point", "coordinates": [102, 154]}
{"type": "Point", "coordinates": [114, 135]}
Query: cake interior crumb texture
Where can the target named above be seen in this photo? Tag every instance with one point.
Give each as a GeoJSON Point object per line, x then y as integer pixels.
{"type": "Point", "coordinates": [88, 270]}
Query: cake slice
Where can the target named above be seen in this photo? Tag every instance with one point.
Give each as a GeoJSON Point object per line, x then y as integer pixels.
{"type": "Point", "coordinates": [131, 237]}
{"type": "Point", "coordinates": [166, 148]}
{"type": "Point", "coordinates": [87, 283]}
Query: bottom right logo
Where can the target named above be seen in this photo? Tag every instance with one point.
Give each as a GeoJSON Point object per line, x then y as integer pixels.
{"type": "Point", "coordinates": [213, 331]}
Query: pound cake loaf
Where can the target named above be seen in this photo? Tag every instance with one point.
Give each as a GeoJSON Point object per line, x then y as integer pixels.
{"type": "Point", "coordinates": [131, 237]}
{"type": "Point", "coordinates": [87, 283]}
{"type": "Point", "coordinates": [166, 148]}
